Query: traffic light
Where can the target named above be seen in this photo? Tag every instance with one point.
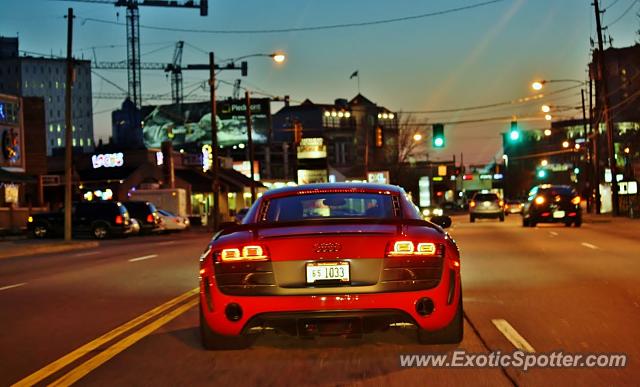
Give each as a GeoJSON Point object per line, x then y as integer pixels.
{"type": "Point", "coordinates": [438, 136]}
{"type": "Point", "coordinates": [542, 173]}
{"type": "Point", "coordinates": [514, 132]}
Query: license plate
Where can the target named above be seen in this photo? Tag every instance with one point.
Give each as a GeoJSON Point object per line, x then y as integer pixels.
{"type": "Point", "coordinates": [558, 214]}
{"type": "Point", "coordinates": [327, 271]}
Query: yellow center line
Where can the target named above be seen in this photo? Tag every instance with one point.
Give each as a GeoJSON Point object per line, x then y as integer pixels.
{"type": "Point", "coordinates": [104, 356]}
{"type": "Point", "coordinates": [64, 361]}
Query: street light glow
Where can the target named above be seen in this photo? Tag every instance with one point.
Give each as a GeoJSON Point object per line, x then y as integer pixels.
{"type": "Point", "coordinates": [545, 108]}
{"type": "Point", "coordinates": [537, 85]}
{"type": "Point", "coordinates": [627, 150]}
{"type": "Point", "coordinates": [548, 117]}
{"type": "Point", "coordinates": [279, 57]}
{"type": "Point", "coordinates": [547, 132]}
{"type": "Point", "coordinates": [565, 144]}
{"type": "Point", "coordinates": [417, 137]}
{"type": "Point", "coordinates": [544, 162]}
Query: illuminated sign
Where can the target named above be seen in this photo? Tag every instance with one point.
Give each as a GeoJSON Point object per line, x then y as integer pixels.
{"type": "Point", "coordinates": [437, 178]}
{"type": "Point", "coordinates": [309, 176]}
{"type": "Point", "coordinates": [207, 157]}
{"type": "Point", "coordinates": [425, 191]}
{"type": "Point", "coordinates": [485, 177]}
{"type": "Point", "coordinates": [108, 160]}
{"type": "Point", "coordinates": [380, 177]}
{"type": "Point", "coordinates": [442, 170]}
{"type": "Point", "coordinates": [467, 177]}
{"type": "Point", "coordinates": [498, 176]}
{"type": "Point", "coordinates": [312, 148]}
{"type": "Point", "coordinates": [159, 158]}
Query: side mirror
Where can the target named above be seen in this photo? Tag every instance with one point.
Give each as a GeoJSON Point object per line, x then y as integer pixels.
{"type": "Point", "coordinates": [442, 221]}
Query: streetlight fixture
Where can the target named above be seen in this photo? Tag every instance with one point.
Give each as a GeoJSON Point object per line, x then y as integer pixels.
{"type": "Point", "coordinates": [539, 84]}
{"type": "Point", "coordinates": [544, 162]}
{"type": "Point", "coordinates": [548, 117]}
{"type": "Point", "coordinates": [547, 132]}
{"type": "Point", "coordinates": [565, 144]}
{"type": "Point", "coordinates": [417, 137]}
{"type": "Point", "coordinates": [545, 108]}
{"type": "Point", "coordinates": [278, 57]}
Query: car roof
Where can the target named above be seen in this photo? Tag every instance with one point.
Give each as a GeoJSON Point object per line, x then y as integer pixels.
{"type": "Point", "coordinates": [323, 187]}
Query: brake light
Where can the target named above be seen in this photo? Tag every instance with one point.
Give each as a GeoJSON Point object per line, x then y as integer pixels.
{"type": "Point", "coordinates": [119, 219]}
{"type": "Point", "coordinates": [150, 218]}
{"type": "Point", "coordinates": [247, 253]}
{"type": "Point", "coordinates": [539, 200]}
{"type": "Point", "coordinates": [409, 248]}
{"type": "Point", "coordinates": [576, 200]}
{"type": "Point", "coordinates": [472, 204]}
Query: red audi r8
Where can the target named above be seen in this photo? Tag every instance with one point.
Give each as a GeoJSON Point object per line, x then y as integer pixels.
{"type": "Point", "coordinates": [331, 259]}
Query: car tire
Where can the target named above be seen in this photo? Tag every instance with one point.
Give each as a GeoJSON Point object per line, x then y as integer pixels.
{"type": "Point", "coordinates": [567, 224]}
{"type": "Point", "coordinates": [451, 334]}
{"type": "Point", "coordinates": [213, 341]}
{"type": "Point", "coordinates": [40, 231]}
{"type": "Point", "coordinates": [502, 218]}
{"type": "Point", "coordinates": [472, 219]}
{"type": "Point", "coordinates": [525, 222]}
{"type": "Point", "coordinates": [100, 231]}
{"type": "Point", "coordinates": [578, 223]}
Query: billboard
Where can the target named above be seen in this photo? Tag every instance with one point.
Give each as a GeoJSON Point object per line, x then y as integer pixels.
{"type": "Point", "coordinates": [191, 124]}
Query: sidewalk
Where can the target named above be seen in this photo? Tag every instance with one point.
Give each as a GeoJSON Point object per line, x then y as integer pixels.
{"type": "Point", "coordinates": [619, 225]}
{"type": "Point", "coordinates": [22, 247]}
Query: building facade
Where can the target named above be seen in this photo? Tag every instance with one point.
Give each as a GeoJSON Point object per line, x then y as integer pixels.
{"type": "Point", "coordinates": [45, 77]}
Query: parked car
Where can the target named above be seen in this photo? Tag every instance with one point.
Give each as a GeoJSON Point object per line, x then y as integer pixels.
{"type": "Point", "coordinates": [513, 207]}
{"type": "Point", "coordinates": [486, 205]}
{"type": "Point", "coordinates": [552, 204]}
{"type": "Point", "coordinates": [171, 222]}
{"type": "Point", "coordinates": [331, 259]}
{"type": "Point", "coordinates": [98, 219]}
{"type": "Point", "coordinates": [146, 214]}
{"type": "Point", "coordinates": [431, 211]}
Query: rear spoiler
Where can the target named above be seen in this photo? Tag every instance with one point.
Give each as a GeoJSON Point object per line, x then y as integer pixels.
{"type": "Point", "coordinates": [253, 227]}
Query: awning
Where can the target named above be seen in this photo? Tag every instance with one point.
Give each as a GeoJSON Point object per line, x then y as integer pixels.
{"type": "Point", "coordinates": [12, 177]}
{"type": "Point", "coordinates": [202, 182]}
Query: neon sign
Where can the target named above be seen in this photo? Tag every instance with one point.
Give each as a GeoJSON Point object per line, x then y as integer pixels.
{"type": "Point", "coordinates": [108, 160]}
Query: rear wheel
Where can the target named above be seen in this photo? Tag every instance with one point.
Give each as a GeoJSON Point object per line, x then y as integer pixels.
{"type": "Point", "coordinates": [525, 222]}
{"type": "Point", "coordinates": [211, 340]}
{"type": "Point", "coordinates": [578, 223]}
{"type": "Point", "coordinates": [472, 219]}
{"type": "Point", "coordinates": [40, 231]}
{"type": "Point", "coordinates": [100, 231]}
{"type": "Point", "coordinates": [451, 334]}
{"type": "Point", "coordinates": [502, 218]}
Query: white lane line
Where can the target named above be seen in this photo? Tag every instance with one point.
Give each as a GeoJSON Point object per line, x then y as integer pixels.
{"type": "Point", "coordinates": [553, 233]}
{"type": "Point", "coordinates": [166, 243]}
{"type": "Point", "coordinates": [87, 253]}
{"type": "Point", "coordinates": [12, 286]}
{"type": "Point", "coordinates": [143, 258]}
{"type": "Point", "coordinates": [589, 245]}
{"type": "Point", "coordinates": [512, 335]}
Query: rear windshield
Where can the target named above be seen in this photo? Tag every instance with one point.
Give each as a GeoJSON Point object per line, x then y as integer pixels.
{"type": "Point", "coordinates": [329, 205]}
{"type": "Point", "coordinates": [139, 208]}
{"type": "Point", "coordinates": [553, 191]}
{"type": "Point", "coordinates": [486, 197]}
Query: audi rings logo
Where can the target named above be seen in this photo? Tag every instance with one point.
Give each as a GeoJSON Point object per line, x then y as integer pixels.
{"type": "Point", "coordinates": [327, 247]}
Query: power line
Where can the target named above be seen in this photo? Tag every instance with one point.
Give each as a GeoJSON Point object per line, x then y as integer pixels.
{"type": "Point", "coordinates": [623, 14]}
{"type": "Point", "coordinates": [312, 28]}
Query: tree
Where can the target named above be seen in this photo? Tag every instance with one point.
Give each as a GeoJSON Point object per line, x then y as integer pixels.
{"type": "Point", "coordinates": [412, 144]}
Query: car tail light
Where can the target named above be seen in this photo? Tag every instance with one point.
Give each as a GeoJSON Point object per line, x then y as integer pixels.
{"type": "Point", "coordinates": [409, 248]}
{"type": "Point", "coordinates": [576, 200]}
{"type": "Point", "coordinates": [119, 219]}
{"type": "Point", "coordinates": [472, 204]}
{"type": "Point", "coordinates": [247, 253]}
{"type": "Point", "coordinates": [501, 203]}
{"type": "Point", "coordinates": [150, 218]}
{"type": "Point", "coordinates": [539, 200]}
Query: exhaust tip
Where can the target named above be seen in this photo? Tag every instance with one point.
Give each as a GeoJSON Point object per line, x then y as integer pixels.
{"type": "Point", "coordinates": [425, 306]}
{"type": "Point", "coordinates": [233, 312]}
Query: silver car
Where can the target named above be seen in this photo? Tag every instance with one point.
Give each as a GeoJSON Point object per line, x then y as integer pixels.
{"type": "Point", "coordinates": [486, 205]}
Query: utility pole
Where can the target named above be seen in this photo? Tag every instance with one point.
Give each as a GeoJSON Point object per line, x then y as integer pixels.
{"type": "Point", "coordinates": [247, 98]}
{"type": "Point", "coordinates": [214, 142]}
{"type": "Point", "coordinates": [602, 76]}
{"type": "Point", "coordinates": [595, 128]}
{"type": "Point", "coordinates": [68, 134]}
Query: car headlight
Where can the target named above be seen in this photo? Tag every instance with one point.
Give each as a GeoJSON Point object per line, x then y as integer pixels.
{"type": "Point", "coordinates": [426, 212]}
{"type": "Point", "coordinates": [438, 212]}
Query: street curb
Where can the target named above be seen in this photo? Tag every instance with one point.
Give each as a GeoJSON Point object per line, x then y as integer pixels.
{"type": "Point", "coordinates": [21, 251]}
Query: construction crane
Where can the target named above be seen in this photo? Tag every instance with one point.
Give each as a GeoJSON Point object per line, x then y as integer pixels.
{"type": "Point", "coordinates": [175, 68]}
{"type": "Point", "coordinates": [133, 34]}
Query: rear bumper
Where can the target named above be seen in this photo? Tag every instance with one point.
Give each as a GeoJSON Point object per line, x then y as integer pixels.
{"type": "Point", "coordinates": [491, 214]}
{"type": "Point", "coordinates": [278, 311]}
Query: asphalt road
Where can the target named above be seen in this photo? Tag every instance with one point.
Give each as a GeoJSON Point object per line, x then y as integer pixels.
{"type": "Point", "coordinates": [557, 288]}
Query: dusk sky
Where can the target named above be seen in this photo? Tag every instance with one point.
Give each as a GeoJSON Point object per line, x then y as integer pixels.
{"type": "Point", "coordinates": [472, 57]}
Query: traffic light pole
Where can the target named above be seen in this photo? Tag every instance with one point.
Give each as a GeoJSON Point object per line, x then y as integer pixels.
{"type": "Point", "coordinates": [214, 142]}
{"type": "Point", "coordinates": [68, 134]}
{"type": "Point", "coordinates": [247, 97]}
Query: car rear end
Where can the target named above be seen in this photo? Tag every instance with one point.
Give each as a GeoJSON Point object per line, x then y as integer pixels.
{"type": "Point", "coordinates": [513, 207]}
{"type": "Point", "coordinates": [300, 270]}
{"type": "Point", "coordinates": [146, 214]}
{"type": "Point", "coordinates": [486, 205]}
{"type": "Point", "coordinates": [554, 204]}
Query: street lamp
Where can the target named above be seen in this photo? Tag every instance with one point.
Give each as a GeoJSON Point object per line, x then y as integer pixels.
{"type": "Point", "coordinates": [278, 57]}
{"type": "Point", "coordinates": [565, 144]}
{"type": "Point", "coordinates": [539, 84]}
{"type": "Point", "coordinates": [548, 117]}
{"type": "Point", "coordinates": [547, 132]}
{"type": "Point", "coordinates": [417, 137]}
{"type": "Point", "coordinates": [545, 108]}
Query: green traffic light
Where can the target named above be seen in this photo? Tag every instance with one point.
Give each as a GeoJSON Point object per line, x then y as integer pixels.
{"type": "Point", "coordinates": [438, 135]}
{"type": "Point", "coordinates": [514, 135]}
{"type": "Point", "coordinates": [542, 173]}
{"type": "Point", "coordinates": [438, 142]}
